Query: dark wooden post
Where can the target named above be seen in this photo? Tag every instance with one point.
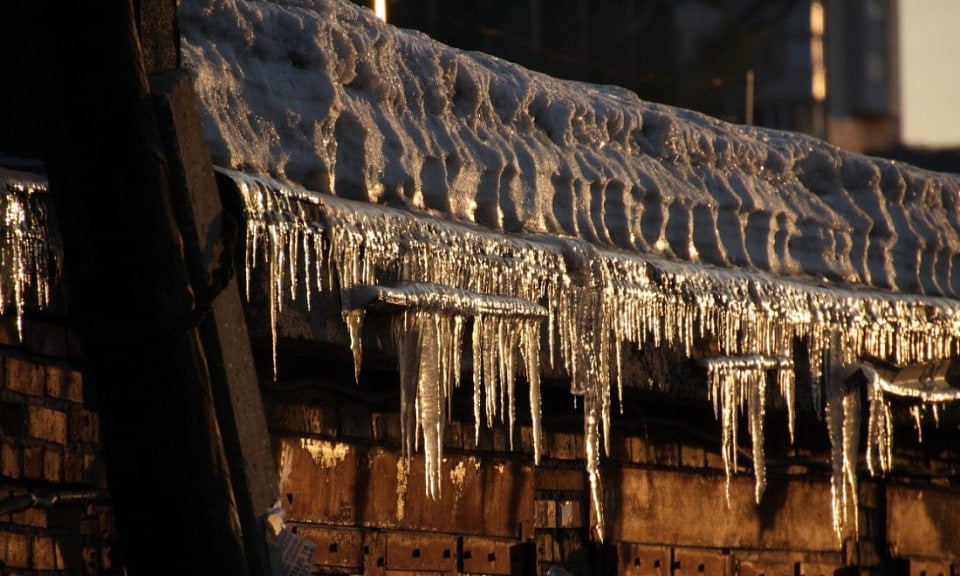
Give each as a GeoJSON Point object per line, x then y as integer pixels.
{"type": "Point", "coordinates": [130, 294]}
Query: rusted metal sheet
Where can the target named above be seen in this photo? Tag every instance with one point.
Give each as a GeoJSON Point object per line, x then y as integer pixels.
{"type": "Point", "coordinates": [690, 509]}
{"type": "Point", "coordinates": [695, 562]}
{"type": "Point", "coordinates": [319, 480]}
{"type": "Point", "coordinates": [805, 568]}
{"type": "Point", "coordinates": [759, 564]}
{"type": "Point", "coordinates": [486, 556]}
{"type": "Point", "coordinates": [336, 547]}
{"type": "Point", "coordinates": [640, 560]}
{"type": "Point", "coordinates": [421, 552]}
{"type": "Point", "coordinates": [923, 522]}
{"type": "Point", "coordinates": [329, 482]}
{"type": "Point", "coordinates": [929, 568]}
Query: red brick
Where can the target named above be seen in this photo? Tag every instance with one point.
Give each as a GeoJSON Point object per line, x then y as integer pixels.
{"type": "Point", "coordinates": [36, 517]}
{"type": "Point", "coordinates": [16, 552]}
{"type": "Point", "coordinates": [10, 461]}
{"type": "Point", "coordinates": [55, 380]}
{"type": "Point", "coordinates": [24, 377]}
{"type": "Point", "coordinates": [73, 470]}
{"type": "Point", "coordinates": [33, 462]}
{"type": "Point", "coordinates": [546, 513]}
{"type": "Point", "coordinates": [74, 387]}
{"type": "Point", "coordinates": [44, 554]}
{"type": "Point", "coordinates": [47, 424]}
{"type": "Point", "coordinates": [53, 465]}
{"type": "Point", "coordinates": [84, 427]}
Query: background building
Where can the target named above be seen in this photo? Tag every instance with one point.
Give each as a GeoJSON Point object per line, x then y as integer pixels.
{"type": "Point", "coordinates": [824, 67]}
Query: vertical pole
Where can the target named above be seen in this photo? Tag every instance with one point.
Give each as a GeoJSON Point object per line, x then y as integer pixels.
{"type": "Point", "coordinates": [130, 296]}
{"type": "Point", "coordinates": [748, 100]}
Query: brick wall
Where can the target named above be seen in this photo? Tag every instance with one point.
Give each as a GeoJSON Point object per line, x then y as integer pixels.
{"type": "Point", "coordinates": [49, 441]}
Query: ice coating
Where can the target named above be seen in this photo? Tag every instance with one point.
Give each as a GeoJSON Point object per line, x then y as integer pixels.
{"type": "Point", "coordinates": [322, 93]}
{"type": "Point", "coordinates": [445, 276]}
{"type": "Point", "coordinates": [28, 266]}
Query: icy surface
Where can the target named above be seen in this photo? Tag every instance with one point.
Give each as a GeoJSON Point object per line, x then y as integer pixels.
{"type": "Point", "coordinates": [321, 93]}
{"type": "Point", "coordinates": [445, 279]}
{"type": "Point", "coordinates": [28, 266]}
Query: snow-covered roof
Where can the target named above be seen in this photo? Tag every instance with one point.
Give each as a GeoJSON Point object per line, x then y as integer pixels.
{"type": "Point", "coordinates": [376, 163]}
{"type": "Point", "coordinates": [323, 94]}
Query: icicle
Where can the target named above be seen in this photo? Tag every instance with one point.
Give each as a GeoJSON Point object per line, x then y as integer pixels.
{"type": "Point", "coordinates": [843, 424]}
{"type": "Point", "coordinates": [879, 426]}
{"type": "Point", "coordinates": [354, 321]}
{"type": "Point", "coordinates": [591, 441]}
{"type": "Point", "coordinates": [430, 403]}
{"type": "Point", "coordinates": [917, 414]}
{"type": "Point", "coordinates": [756, 403]}
{"type": "Point", "coordinates": [787, 385]}
{"type": "Point", "coordinates": [531, 356]}
{"type": "Point", "coordinates": [477, 343]}
{"type": "Point", "coordinates": [732, 382]}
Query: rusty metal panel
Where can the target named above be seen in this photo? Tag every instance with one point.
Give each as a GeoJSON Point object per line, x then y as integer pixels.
{"type": "Point", "coordinates": [640, 560]}
{"type": "Point", "coordinates": [694, 562]}
{"type": "Point", "coordinates": [319, 480]}
{"type": "Point", "coordinates": [421, 552]}
{"type": "Point", "coordinates": [480, 496]}
{"type": "Point", "coordinates": [486, 555]}
{"type": "Point", "coordinates": [929, 568]}
{"type": "Point", "coordinates": [374, 554]}
{"type": "Point", "coordinates": [765, 566]}
{"type": "Point", "coordinates": [817, 568]}
{"type": "Point", "coordinates": [923, 522]}
{"type": "Point", "coordinates": [690, 509]}
{"type": "Point", "coordinates": [336, 547]}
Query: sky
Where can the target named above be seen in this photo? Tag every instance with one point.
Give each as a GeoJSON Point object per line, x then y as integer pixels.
{"type": "Point", "coordinates": [930, 72]}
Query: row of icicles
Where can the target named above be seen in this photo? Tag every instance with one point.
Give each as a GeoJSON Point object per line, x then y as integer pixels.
{"type": "Point", "coordinates": [594, 301]}
{"type": "Point", "coordinates": [29, 267]}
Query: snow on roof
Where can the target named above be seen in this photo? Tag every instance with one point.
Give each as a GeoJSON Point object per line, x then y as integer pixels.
{"type": "Point", "coordinates": [322, 93]}
{"type": "Point", "coordinates": [525, 193]}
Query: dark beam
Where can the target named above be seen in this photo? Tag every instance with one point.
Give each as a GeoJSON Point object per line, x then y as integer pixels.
{"type": "Point", "coordinates": [210, 240]}
{"type": "Point", "coordinates": [130, 295]}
